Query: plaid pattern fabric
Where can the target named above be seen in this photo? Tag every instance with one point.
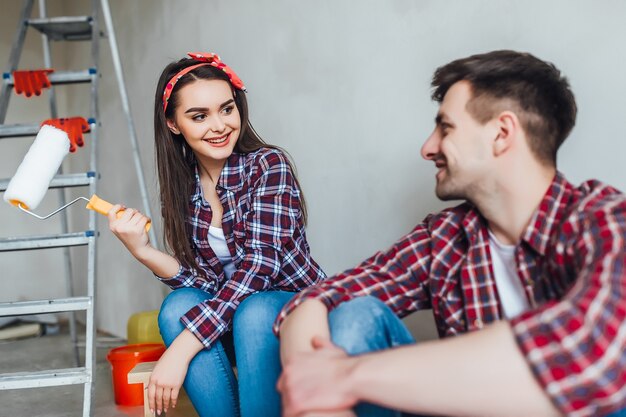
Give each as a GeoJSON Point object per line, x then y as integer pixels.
{"type": "Point", "coordinates": [264, 230]}
{"type": "Point", "coordinates": [571, 261]}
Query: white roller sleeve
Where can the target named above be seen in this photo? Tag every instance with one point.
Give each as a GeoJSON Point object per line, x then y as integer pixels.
{"type": "Point", "coordinates": [33, 176]}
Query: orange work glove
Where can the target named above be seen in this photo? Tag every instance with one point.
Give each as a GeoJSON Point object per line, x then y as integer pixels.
{"type": "Point", "coordinates": [73, 126]}
{"type": "Point", "coordinates": [31, 81]}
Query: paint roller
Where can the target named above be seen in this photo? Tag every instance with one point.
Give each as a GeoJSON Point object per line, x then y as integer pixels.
{"type": "Point", "coordinates": [32, 178]}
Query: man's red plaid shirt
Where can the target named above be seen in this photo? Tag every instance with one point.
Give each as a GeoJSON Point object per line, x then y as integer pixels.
{"type": "Point", "coordinates": [572, 263]}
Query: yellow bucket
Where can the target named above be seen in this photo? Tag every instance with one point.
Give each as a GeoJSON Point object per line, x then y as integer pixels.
{"type": "Point", "coordinates": [143, 327]}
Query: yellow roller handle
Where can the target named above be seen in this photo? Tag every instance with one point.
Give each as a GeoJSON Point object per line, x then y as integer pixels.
{"type": "Point", "coordinates": [103, 207]}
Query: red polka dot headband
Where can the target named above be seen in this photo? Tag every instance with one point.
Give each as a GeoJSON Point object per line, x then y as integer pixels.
{"type": "Point", "coordinates": [205, 59]}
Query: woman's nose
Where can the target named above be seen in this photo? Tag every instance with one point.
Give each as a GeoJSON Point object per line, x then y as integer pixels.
{"type": "Point", "coordinates": [217, 124]}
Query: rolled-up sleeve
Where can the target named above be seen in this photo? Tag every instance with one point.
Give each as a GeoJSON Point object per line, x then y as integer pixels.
{"type": "Point", "coordinates": [397, 276]}
{"type": "Point", "coordinates": [183, 278]}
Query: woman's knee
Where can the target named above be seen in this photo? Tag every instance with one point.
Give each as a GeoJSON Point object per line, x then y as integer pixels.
{"type": "Point", "coordinates": [176, 304]}
{"type": "Point", "coordinates": [359, 325]}
{"type": "Point", "coordinates": [259, 310]}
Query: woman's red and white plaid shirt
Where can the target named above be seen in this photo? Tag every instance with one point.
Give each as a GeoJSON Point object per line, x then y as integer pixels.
{"type": "Point", "coordinates": [265, 234]}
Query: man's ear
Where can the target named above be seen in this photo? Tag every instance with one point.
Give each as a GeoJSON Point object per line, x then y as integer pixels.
{"type": "Point", "coordinates": [172, 127]}
{"type": "Point", "coordinates": [508, 129]}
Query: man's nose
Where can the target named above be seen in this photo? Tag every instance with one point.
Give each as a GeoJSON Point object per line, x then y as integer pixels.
{"type": "Point", "coordinates": [430, 148]}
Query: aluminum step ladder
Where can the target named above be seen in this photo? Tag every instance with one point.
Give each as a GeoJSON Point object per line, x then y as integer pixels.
{"type": "Point", "coordinates": [74, 28]}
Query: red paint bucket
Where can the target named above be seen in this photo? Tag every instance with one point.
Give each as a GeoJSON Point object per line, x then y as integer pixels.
{"type": "Point", "coordinates": [123, 359]}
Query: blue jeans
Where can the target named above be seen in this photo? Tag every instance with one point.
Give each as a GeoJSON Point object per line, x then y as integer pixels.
{"type": "Point", "coordinates": [363, 325]}
{"type": "Point", "coordinates": [210, 382]}
{"type": "Point", "coordinates": [366, 324]}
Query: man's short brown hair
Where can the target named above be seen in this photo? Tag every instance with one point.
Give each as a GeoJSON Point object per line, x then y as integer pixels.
{"type": "Point", "coordinates": [533, 89]}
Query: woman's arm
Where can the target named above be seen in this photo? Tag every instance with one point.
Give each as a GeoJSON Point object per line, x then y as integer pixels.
{"type": "Point", "coordinates": [170, 371]}
{"type": "Point", "coordinates": [130, 229]}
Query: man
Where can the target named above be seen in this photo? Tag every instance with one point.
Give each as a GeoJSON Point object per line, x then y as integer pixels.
{"type": "Point", "coordinates": [529, 273]}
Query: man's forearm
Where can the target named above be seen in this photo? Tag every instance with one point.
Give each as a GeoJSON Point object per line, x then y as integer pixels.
{"type": "Point", "coordinates": [308, 320]}
{"type": "Point", "coordinates": [478, 374]}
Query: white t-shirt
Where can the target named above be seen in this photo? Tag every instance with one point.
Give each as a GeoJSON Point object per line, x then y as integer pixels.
{"type": "Point", "coordinates": [510, 289]}
{"type": "Point", "coordinates": [217, 241]}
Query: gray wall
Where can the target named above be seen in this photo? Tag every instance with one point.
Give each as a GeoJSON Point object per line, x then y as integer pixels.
{"type": "Point", "coordinates": [344, 87]}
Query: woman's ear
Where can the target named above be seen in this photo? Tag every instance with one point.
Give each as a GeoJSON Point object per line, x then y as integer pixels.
{"type": "Point", "coordinates": [172, 127]}
{"type": "Point", "coordinates": [508, 127]}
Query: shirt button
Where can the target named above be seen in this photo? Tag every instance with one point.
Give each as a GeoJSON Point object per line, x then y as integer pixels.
{"type": "Point", "coordinates": [478, 323]}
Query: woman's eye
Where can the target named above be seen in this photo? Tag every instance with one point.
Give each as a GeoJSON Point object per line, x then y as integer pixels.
{"type": "Point", "coordinates": [228, 110]}
{"type": "Point", "coordinates": [199, 117]}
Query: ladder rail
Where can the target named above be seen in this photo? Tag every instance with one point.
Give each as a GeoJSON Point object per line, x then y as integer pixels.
{"type": "Point", "coordinates": [67, 259]}
{"type": "Point", "coordinates": [14, 58]}
{"type": "Point", "coordinates": [90, 331]}
{"type": "Point", "coordinates": [48, 378]}
{"type": "Point", "coordinates": [60, 77]}
{"type": "Point", "coordinates": [21, 308]}
{"type": "Point", "coordinates": [67, 180]}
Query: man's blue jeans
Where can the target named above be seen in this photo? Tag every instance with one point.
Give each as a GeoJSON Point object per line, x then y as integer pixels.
{"type": "Point", "coordinates": [363, 325]}
{"type": "Point", "coordinates": [366, 324]}
{"type": "Point", "coordinates": [210, 382]}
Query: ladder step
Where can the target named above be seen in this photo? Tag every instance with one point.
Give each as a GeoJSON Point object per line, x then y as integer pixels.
{"type": "Point", "coordinates": [20, 308]}
{"type": "Point", "coordinates": [63, 77]}
{"type": "Point", "coordinates": [49, 378]}
{"type": "Point", "coordinates": [18, 130]}
{"type": "Point", "coordinates": [62, 181]}
{"type": "Point", "coordinates": [22, 130]}
{"type": "Point", "coordinates": [45, 242]}
{"type": "Point", "coordinates": [70, 28]}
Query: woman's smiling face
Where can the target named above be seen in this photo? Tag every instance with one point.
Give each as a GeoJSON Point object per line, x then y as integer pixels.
{"type": "Point", "coordinates": [208, 119]}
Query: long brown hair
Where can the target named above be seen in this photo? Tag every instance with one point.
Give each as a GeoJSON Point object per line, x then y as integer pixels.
{"type": "Point", "coordinates": [175, 160]}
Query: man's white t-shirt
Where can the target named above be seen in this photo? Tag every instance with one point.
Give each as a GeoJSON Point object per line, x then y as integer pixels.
{"type": "Point", "coordinates": [510, 289]}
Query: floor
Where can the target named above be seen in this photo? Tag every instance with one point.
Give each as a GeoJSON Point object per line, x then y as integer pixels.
{"type": "Point", "coordinates": [55, 352]}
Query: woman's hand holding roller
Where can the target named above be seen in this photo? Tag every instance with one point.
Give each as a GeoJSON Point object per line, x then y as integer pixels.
{"type": "Point", "coordinates": [130, 228]}
{"type": "Point", "coordinates": [129, 225]}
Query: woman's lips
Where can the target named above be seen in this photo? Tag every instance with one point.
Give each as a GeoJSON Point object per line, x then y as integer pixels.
{"type": "Point", "coordinates": [219, 141]}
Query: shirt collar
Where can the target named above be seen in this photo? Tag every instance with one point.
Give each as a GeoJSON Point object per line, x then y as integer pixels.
{"type": "Point", "coordinates": [231, 178]}
{"type": "Point", "coordinates": [543, 220]}
{"type": "Point", "coordinates": [548, 214]}
{"type": "Point", "coordinates": [474, 224]}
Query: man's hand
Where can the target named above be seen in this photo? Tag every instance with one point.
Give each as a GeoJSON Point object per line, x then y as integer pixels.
{"type": "Point", "coordinates": [317, 381]}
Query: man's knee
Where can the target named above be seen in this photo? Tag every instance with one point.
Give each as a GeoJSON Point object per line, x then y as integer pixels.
{"type": "Point", "coordinates": [358, 325]}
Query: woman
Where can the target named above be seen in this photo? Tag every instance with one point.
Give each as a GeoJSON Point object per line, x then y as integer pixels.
{"type": "Point", "coordinates": [233, 217]}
